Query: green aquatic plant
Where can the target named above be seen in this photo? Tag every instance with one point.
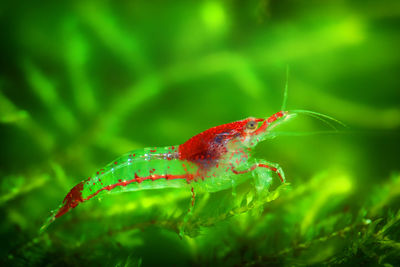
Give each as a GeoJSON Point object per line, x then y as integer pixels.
{"type": "Point", "coordinates": [84, 82]}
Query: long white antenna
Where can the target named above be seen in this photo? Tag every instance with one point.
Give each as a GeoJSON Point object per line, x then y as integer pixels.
{"type": "Point", "coordinates": [285, 93]}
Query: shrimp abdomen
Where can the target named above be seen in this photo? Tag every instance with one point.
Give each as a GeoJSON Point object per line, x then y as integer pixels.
{"type": "Point", "coordinates": [150, 168]}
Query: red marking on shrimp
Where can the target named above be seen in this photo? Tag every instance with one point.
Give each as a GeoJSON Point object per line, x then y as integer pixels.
{"type": "Point", "coordinates": [274, 170]}
{"type": "Point", "coordinates": [261, 129]}
{"type": "Point", "coordinates": [193, 196]}
{"type": "Point", "coordinates": [153, 150]}
{"type": "Point", "coordinates": [276, 116]}
{"type": "Point", "coordinates": [245, 171]}
{"type": "Point", "coordinates": [262, 166]}
{"type": "Point", "coordinates": [73, 198]}
{"type": "Point", "coordinates": [115, 163]}
{"type": "Point", "coordinates": [266, 166]}
{"type": "Point", "coordinates": [137, 179]}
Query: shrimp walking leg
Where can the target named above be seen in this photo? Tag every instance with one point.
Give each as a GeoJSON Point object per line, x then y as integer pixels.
{"type": "Point", "coordinates": [262, 180]}
{"type": "Point", "coordinates": [273, 167]}
{"type": "Point", "coordinates": [261, 171]}
{"type": "Point", "coordinates": [188, 214]}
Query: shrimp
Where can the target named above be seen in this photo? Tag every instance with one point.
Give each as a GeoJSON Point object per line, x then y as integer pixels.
{"type": "Point", "coordinates": [216, 159]}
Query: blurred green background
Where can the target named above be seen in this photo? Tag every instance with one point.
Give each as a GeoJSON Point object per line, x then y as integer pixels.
{"type": "Point", "coordinates": [83, 82]}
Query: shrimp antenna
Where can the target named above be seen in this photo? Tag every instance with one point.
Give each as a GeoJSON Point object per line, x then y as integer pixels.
{"type": "Point", "coordinates": [285, 92]}
{"type": "Point", "coordinates": [276, 134]}
{"type": "Point", "coordinates": [322, 117]}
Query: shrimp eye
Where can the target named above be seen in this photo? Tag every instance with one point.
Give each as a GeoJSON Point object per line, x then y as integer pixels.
{"type": "Point", "coordinates": [251, 125]}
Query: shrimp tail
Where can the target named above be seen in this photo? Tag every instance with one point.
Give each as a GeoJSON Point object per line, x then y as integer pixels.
{"type": "Point", "coordinates": [71, 200]}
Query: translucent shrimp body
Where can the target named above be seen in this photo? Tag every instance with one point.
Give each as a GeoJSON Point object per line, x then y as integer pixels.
{"type": "Point", "coordinates": [213, 160]}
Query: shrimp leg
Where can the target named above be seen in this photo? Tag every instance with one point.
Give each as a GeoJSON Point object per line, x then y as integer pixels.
{"type": "Point", "coordinates": [273, 167]}
{"type": "Point", "coordinates": [261, 172]}
{"type": "Point", "coordinates": [188, 214]}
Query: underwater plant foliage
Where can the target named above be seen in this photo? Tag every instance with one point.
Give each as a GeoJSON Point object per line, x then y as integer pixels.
{"type": "Point", "coordinates": [83, 82]}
